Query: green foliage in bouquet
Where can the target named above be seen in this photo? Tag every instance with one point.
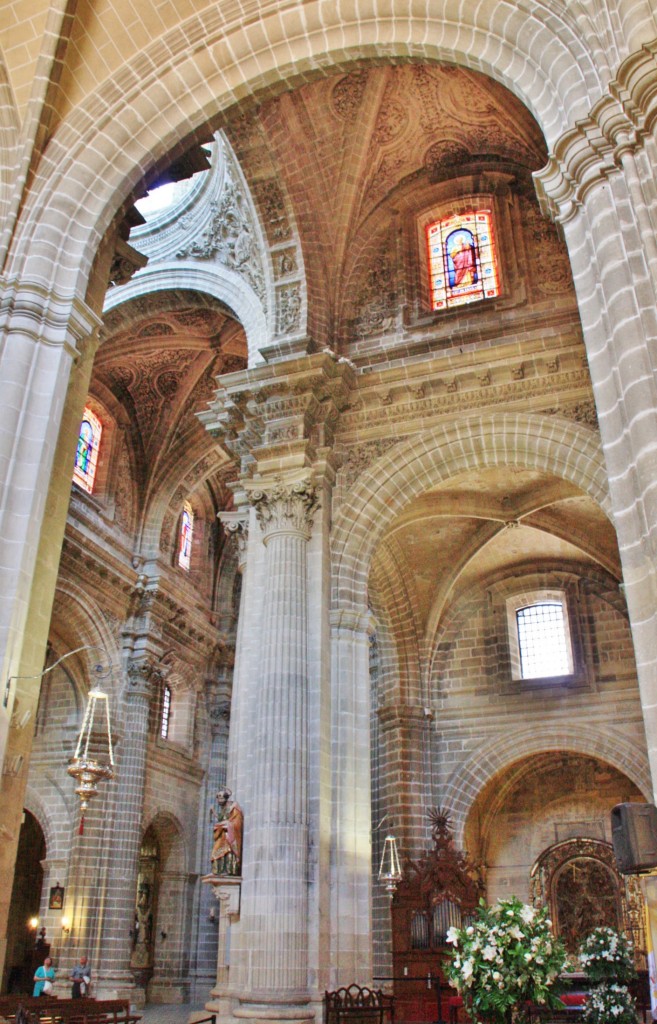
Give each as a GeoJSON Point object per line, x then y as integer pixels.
{"type": "Point", "coordinates": [504, 959]}
{"type": "Point", "coordinates": [610, 1002]}
{"type": "Point", "coordinates": [607, 955]}
{"type": "Point", "coordinates": [606, 958]}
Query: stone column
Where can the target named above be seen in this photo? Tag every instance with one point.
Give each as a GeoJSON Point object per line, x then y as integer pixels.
{"type": "Point", "coordinates": [273, 983]}
{"type": "Point", "coordinates": [42, 390]}
{"type": "Point", "coordinates": [236, 525]}
{"type": "Point", "coordinates": [599, 186]}
{"type": "Point", "coordinates": [204, 925]}
{"type": "Point", "coordinates": [115, 977]}
{"type": "Point", "coordinates": [351, 853]}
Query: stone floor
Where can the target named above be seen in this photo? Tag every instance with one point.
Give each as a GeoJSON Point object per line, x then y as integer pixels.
{"type": "Point", "coordinates": [172, 1014]}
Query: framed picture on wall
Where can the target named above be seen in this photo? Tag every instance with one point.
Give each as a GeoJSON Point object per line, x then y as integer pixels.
{"type": "Point", "coordinates": [56, 901]}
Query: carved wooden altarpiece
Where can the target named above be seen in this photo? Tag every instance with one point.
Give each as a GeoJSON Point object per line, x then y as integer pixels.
{"type": "Point", "coordinates": [578, 881]}
{"type": "Point", "coordinates": [438, 891]}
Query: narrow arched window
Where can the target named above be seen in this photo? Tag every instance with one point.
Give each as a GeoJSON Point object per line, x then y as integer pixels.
{"type": "Point", "coordinates": [185, 537]}
{"type": "Point", "coordinates": [165, 715]}
{"type": "Point", "coordinates": [462, 259]}
{"type": "Point", "coordinates": [86, 456]}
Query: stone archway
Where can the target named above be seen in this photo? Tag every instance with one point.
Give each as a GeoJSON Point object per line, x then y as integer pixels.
{"type": "Point", "coordinates": [22, 956]}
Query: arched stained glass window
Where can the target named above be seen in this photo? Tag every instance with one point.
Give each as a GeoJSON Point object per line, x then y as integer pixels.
{"type": "Point", "coordinates": [86, 456]}
{"type": "Point", "coordinates": [462, 259]}
{"type": "Point", "coordinates": [185, 539]}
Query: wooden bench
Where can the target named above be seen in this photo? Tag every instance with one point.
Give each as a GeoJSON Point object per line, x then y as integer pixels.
{"type": "Point", "coordinates": [358, 1005]}
{"type": "Point", "coordinates": [47, 1010]}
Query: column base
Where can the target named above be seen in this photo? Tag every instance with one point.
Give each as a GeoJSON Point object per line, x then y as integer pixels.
{"type": "Point", "coordinates": [267, 1014]}
{"type": "Point", "coordinates": [118, 986]}
{"type": "Point", "coordinates": [257, 1013]}
{"type": "Point", "coordinates": [272, 1011]}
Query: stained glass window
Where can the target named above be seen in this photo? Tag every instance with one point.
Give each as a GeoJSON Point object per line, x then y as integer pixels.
{"type": "Point", "coordinates": [86, 456]}
{"type": "Point", "coordinates": [462, 259]}
{"type": "Point", "coordinates": [185, 539]}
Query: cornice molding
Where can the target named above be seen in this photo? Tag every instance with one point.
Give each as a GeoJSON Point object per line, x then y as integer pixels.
{"type": "Point", "coordinates": [46, 317]}
{"type": "Point", "coordinates": [588, 154]}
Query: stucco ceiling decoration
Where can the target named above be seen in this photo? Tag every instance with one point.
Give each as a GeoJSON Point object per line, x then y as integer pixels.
{"type": "Point", "coordinates": [347, 148]}
{"type": "Point", "coordinates": [159, 358]}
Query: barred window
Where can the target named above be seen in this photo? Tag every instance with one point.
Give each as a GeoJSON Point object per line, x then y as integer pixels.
{"type": "Point", "coordinates": [165, 716]}
{"type": "Point", "coordinates": [542, 640]}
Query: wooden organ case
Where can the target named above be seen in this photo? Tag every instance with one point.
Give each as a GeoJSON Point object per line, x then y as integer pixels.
{"type": "Point", "coordinates": [439, 891]}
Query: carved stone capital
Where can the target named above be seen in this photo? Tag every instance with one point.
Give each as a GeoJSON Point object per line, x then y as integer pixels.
{"type": "Point", "coordinates": [125, 263]}
{"type": "Point", "coordinates": [236, 525]}
{"type": "Point", "coordinates": [286, 508]}
{"type": "Point", "coordinates": [144, 677]}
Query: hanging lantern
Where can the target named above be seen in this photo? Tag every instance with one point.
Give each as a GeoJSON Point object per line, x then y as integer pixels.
{"type": "Point", "coordinates": [390, 871]}
{"type": "Point", "coordinates": [93, 760]}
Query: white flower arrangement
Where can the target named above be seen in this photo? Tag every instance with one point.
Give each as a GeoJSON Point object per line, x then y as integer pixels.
{"type": "Point", "coordinates": [506, 958]}
{"type": "Point", "coordinates": [610, 1004]}
{"type": "Point", "coordinates": [606, 957]}
{"type": "Point", "coordinates": [607, 954]}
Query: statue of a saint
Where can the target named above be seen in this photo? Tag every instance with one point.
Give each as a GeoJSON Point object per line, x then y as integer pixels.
{"type": "Point", "coordinates": [226, 856]}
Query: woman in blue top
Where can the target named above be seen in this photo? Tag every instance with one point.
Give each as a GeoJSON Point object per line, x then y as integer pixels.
{"type": "Point", "coordinates": [44, 978]}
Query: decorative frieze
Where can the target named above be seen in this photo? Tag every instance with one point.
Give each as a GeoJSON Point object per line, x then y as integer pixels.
{"type": "Point", "coordinates": [459, 399]}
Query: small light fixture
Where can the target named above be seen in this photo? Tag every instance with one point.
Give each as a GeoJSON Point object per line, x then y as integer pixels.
{"type": "Point", "coordinates": [212, 915]}
{"type": "Point", "coordinates": [66, 925]}
{"type": "Point", "coordinates": [163, 935]}
{"type": "Point", "coordinates": [390, 871]}
{"type": "Point", "coordinates": [33, 924]}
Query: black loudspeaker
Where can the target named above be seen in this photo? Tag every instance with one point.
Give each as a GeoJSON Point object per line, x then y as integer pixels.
{"type": "Point", "coordinates": [634, 837]}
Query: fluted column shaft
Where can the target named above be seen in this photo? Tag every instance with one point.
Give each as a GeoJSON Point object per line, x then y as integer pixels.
{"type": "Point", "coordinates": [274, 918]}
{"type": "Point", "coordinates": [115, 975]}
{"type": "Point", "coordinates": [236, 525]}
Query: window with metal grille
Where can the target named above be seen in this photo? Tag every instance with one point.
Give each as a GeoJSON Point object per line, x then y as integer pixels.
{"type": "Point", "coordinates": [166, 712]}
{"type": "Point", "coordinates": [542, 640]}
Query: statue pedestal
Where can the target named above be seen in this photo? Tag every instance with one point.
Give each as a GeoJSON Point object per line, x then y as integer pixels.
{"type": "Point", "coordinates": [226, 889]}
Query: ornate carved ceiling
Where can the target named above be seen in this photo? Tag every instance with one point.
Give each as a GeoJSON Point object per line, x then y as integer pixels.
{"type": "Point", "coordinates": [157, 367]}
{"type": "Point", "coordinates": [348, 147]}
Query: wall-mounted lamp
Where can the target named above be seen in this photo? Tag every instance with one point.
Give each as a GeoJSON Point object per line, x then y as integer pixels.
{"type": "Point", "coordinates": [163, 936]}
{"type": "Point", "coordinates": [390, 870]}
{"type": "Point", "coordinates": [33, 924]}
{"type": "Point", "coordinates": [66, 925]}
{"type": "Point", "coordinates": [212, 916]}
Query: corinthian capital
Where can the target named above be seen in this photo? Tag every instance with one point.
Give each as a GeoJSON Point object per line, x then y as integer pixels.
{"type": "Point", "coordinates": [285, 508]}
